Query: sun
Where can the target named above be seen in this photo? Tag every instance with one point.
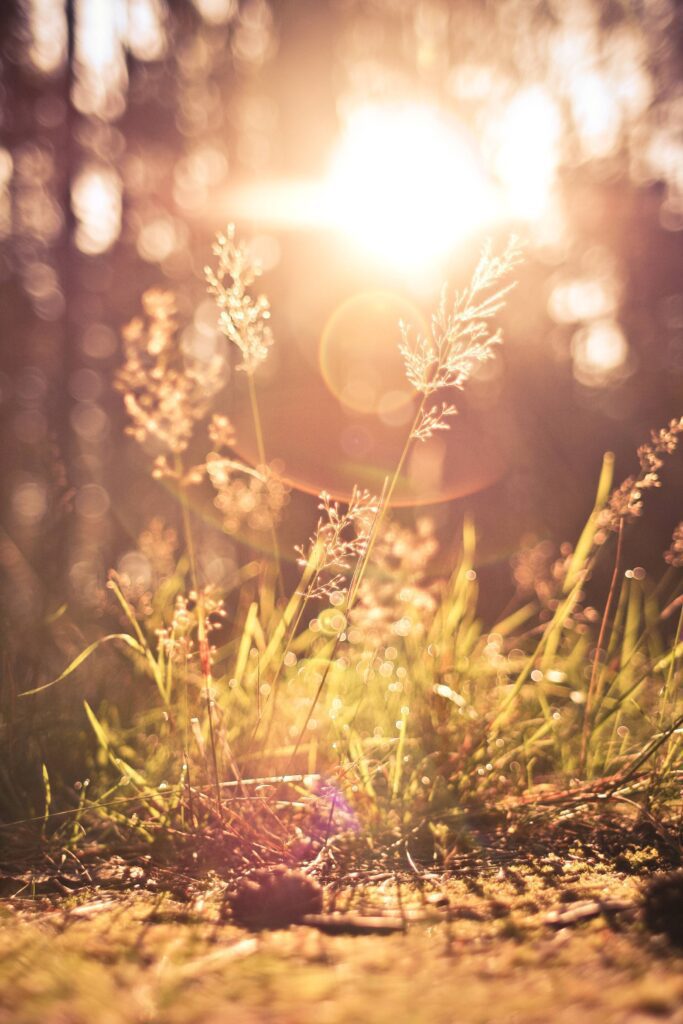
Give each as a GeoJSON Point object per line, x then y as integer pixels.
{"type": "Point", "coordinates": [406, 185]}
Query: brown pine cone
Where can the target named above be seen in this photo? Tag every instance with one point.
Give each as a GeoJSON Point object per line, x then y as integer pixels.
{"type": "Point", "coordinates": [663, 905]}
{"type": "Point", "coordinates": [273, 897]}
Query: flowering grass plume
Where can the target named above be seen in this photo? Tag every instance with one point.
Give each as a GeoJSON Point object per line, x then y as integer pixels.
{"type": "Point", "coordinates": [626, 502]}
{"type": "Point", "coordinates": [243, 319]}
{"type": "Point", "coordinates": [340, 539]}
{"type": "Point", "coordinates": [674, 555]}
{"type": "Point", "coordinates": [460, 337]}
{"type": "Point", "coordinates": [178, 641]}
{"type": "Point", "coordinates": [165, 391]}
{"type": "Point", "coordinates": [246, 497]}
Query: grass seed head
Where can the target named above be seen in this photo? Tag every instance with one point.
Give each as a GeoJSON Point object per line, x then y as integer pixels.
{"type": "Point", "coordinates": [242, 318]}
{"type": "Point", "coordinates": [459, 338]}
{"type": "Point", "coordinates": [340, 539]}
{"type": "Point", "coordinates": [626, 501]}
{"type": "Point", "coordinates": [674, 555]}
{"type": "Point", "coordinates": [165, 391]}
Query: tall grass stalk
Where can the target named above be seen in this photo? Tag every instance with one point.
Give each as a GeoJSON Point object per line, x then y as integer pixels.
{"type": "Point", "coordinates": [600, 651]}
{"type": "Point", "coordinates": [261, 450]}
{"type": "Point", "coordinates": [203, 642]}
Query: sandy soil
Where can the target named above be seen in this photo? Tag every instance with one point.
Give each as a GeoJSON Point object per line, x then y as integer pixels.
{"type": "Point", "coordinates": [556, 941]}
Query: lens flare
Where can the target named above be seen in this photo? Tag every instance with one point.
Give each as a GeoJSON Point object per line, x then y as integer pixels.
{"type": "Point", "coordinates": [359, 358]}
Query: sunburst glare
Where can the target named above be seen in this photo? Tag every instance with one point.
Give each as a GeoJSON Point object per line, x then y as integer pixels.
{"type": "Point", "coordinates": [405, 183]}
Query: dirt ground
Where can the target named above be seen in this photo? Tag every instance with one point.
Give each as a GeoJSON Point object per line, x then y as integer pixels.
{"type": "Point", "coordinates": [554, 941]}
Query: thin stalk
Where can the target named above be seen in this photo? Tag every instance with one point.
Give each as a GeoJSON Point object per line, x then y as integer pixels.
{"type": "Point", "coordinates": [400, 747]}
{"type": "Point", "coordinates": [289, 631]}
{"type": "Point", "coordinates": [361, 565]}
{"type": "Point", "coordinates": [205, 663]}
{"type": "Point", "coordinates": [204, 648]}
{"type": "Point", "coordinates": [186, 752]}
{"type": "Point", "coordinates": [187, 526]}
{"type": "Point", "coordinates": [318, 692]}
{"type": "Point", "coordinates": [276, 678]}
{"type": "Point", "coordinates": [636, 649]}
{"type": "Point", "coordinates": [385, 501]}
{"type": "Point", "coordinates": [596, 672]}
{"type": "Point", "coordinates": [651, 748]}
{"type": "Point", "coordinates": [261, 449]}
{"type": "Point", "coordinates": [404, 454]}
{"type": "Point", "coordinates": [668, 687]}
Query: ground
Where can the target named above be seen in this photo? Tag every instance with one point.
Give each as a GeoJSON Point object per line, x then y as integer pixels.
{"type": "Point", "coordinates": [476, 948]}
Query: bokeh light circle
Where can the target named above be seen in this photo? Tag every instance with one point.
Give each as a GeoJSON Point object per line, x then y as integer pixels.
{"type": "Point", "coordinates": [359, 356]}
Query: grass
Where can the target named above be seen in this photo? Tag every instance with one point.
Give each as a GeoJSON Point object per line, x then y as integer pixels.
{"type": "Point", "coordinates": [406, 716]}
{"type": "Point", "coordinates": [366, 725]}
